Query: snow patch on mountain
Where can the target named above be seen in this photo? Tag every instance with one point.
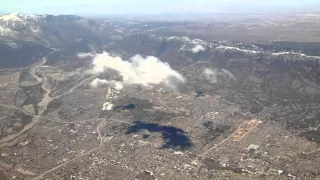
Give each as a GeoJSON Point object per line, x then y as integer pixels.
{"type": "Point", "coordinates": [230, 48]}
{"type": "Point", "coordinates": [4, 31]}
{"type": "Point", "coordinates": [15, 17]}
{"type": "Point", "coordinates": [12, 24]}
{"type": "Point", "coordinates": [193, 45]}
{"type": "Point", "coordinates": [34, 29]}
{"type": "Point", "coordinates": [301, 55]}
{"type": "Point", "coordinates": [185, 39]}
{"type": "Point", "coordinates": [12, 44]}
{"type": "Point", "coordinates": [10, 17]}
{"type": "Point", "coordinates": [198, 48]}
{"type": "Point", "coordinates": [222, 48]}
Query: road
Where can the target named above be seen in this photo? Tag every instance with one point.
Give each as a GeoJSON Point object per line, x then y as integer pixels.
{"type": "Point", "coordinates": [43, 104]}
{"type": "Point", "coordinates": [12, 139]}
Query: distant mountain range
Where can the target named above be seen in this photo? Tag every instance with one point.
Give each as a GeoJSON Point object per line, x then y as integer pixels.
{"type": "Point", "coordinates": [49, 30]}
{"type": "Point", "coordinates": [22, 34]}
{"type": "Point", "coordinates": [25, 38]}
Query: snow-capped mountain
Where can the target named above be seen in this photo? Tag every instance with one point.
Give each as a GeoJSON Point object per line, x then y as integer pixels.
{"type": "Point", "coordinates": [11, 25]}
{"type": "Point", "coordinates": [47, 30]}
{"type": "Point", "coordinates": [236, 48]}
{"type": "Point", "coordinates": [68, 35]}
{"type": "Point", "coordinates": [185, 49]}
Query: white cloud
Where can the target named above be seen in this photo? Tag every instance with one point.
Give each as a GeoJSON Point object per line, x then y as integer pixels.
{"type": "Point", "coordinates": [138, 70]}
{"type": "Point", "coordinates": [211, 75]}
{"type": "Point", "coordinates": [98, 82]}
{"type": "Point", "coordinates": [228, 74]}
{"type": "Point", "coordinates": [117, 85]}
{"type": "Point", "coordinates": [85, 55]}
{"type": "Point", "coordinates": [198, 48]}
{"type": "Point", "coordinates": [214, 75]}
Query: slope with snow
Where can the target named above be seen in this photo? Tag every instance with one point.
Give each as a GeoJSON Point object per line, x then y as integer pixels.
{"type": "Point", "coordinates": [197, 45]}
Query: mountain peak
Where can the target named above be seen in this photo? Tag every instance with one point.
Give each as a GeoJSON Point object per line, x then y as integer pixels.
{"type": "Point", "coordinates": [20, 17]}
{"type": "Point", "coordinates": [10, 17]}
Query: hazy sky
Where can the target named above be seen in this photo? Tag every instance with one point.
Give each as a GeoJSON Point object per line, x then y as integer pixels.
{"type": "Point", "coordinates": [95, 7]}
